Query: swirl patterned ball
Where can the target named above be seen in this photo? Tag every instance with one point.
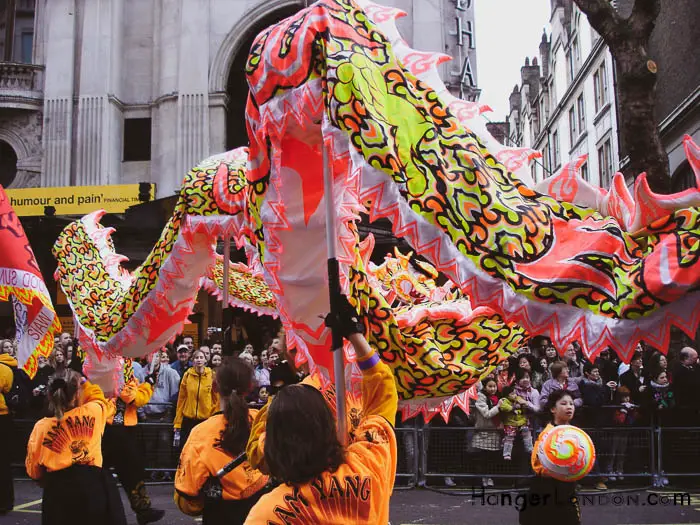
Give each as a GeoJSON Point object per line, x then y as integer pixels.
{"type": "Point", "coordinates": [566, 452]}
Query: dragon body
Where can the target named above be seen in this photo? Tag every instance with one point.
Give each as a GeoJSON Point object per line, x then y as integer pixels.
{"type": "Point", "coordinates": [334, 87]}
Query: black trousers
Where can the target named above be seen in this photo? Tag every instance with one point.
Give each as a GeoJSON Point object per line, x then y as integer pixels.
{"type": "Point", "coordinates": [230, 512]}
{"type": "Point", "coordinates": [120, 450]}
{"type": "Point", "coordinates": [187, 425]}
{"type": "Point", "coordinates": [550, 501]}
{"type": "Point", "coordinates": [81, 495]}
{"type": "Point", "coordinates": [7, 492]}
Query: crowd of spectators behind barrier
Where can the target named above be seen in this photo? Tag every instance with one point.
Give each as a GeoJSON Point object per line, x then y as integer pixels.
{"type": "Point", "coordinates": [651, 389]}
{"type": "Point", "coordinates": [171, 363]}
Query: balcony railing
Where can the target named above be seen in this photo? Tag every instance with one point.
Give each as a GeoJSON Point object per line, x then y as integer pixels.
{"type": "Point", "coordinates": [21, 86]}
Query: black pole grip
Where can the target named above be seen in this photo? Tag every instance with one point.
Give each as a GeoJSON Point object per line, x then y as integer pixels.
{"type": "Point", "coordinates": [335, 299]}
{"type": "Point", "coordinates": [227, 322]}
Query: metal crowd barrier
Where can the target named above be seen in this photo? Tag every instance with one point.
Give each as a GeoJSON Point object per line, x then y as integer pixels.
{"type": "Point", "coordinates": [468, 453]}
{"type": "Point", "coordinates": [428, 455]}
{"type": "Point", "coordinates": [678, 451]}
{"type": "Point", "coordinates": [407, 458]}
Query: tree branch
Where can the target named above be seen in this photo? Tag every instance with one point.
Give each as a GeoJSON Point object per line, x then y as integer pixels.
{"type": "Point", "coordinates": [602, 17]}
{"type": "Point", "coordinates": [643, 17]}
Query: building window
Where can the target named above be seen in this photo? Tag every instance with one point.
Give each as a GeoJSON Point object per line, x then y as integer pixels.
{"type": "Point", "coordinates": [581, 107]}
{"type": "Point", "coordinates": [556, 157]}
{"type": "Point", "coordinates": [546, 164]}
{"type": "Point", "coordinates": [584, 172]}
{"type": "Point", "coordinates": [573, 134]}
{"type": "Point", "coordinates": [600, 87]}
{"type": "Point", "coordinates": [533, 171]}
{"type": "Point", "coordinates": [137, 139]}
{"type": "Point", "coordinates": [16, 30]}
{"type": "Point", "coordinates": [543, 108]}
{"type": "Point", "coordinates": [27, 46]}
{"type": "Point", "coordinates": [605, 164]}
{"type": "Point", "coordinates": [573, 59]}
{"type": "Point", "coordinates": [683, 178]}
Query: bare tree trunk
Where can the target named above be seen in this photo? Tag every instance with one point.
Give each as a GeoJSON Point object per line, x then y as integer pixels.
{"type": "Point", "coordinates": [628, 40]}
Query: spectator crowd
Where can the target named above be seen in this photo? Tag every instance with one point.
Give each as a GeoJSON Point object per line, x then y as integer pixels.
{"type": "Point", "coordinates": [652, 389]}
{"type": "Point", "coordinates": [509, 407]}
{"type": "Point", "coordinates": [172, 364]}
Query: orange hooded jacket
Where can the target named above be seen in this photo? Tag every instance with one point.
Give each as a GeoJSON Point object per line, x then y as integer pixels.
{"type": "Point", "coordinates": [359, 491]}
{"type": "Point", "coordinates": [202, 459]}
{"type": "Point", "coordinates": [125, 406]}
{"type": "Point", "coordinates": [75, 439]}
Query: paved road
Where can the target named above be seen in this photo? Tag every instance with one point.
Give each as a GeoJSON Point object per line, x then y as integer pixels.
{"type": "Point", "coordinates": [434, 508]}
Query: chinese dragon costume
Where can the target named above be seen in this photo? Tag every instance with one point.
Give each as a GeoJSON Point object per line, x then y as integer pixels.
{"type": "Point", "coordinates": [335, 86]}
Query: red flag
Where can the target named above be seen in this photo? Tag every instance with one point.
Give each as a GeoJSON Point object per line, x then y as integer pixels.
{"type": "Point", "coordinates": [21, 280]}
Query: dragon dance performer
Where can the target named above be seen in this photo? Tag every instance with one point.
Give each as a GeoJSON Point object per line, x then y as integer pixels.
{"type": "Point", "coordinates": [121, 448]}
{"type": "Point", "coordinates": [64, 454]}
{"type": "Point", "coordinates": [550, 500]}
{"type": "Point", "coordinates": [214, 478]}
{"type": "Point", "coordinates": [323, 482]}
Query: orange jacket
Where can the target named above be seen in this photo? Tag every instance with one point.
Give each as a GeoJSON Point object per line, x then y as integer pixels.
{"type": "Point", "coordinates": [6, 378]}
{"type": "Point", "coordinates": [197, 398]}
{"type": "Point", "coordinates": [132, 397]}
{"type": "Point", "coordinates": [353, 410]}
{"type": "Point", "coordinates": [202, 458]}
{"type": "Point", "coordinates": [359, 491]}
{"type": "Point", "coordinates": [74, 440]}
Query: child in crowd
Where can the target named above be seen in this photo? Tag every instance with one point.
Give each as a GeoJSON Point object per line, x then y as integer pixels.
{"type": "Point", "coordinates": [661, 393]}
{"type": "Point", "coordinates": [525, 389]}
{"type": "Point", "coordinates": [546, 375]}
{"type": "Point", "coordinates": [556, 500]}
{"type": "Point", "coordinates": [504, 376]}
{"type": "Point", "coordinates": [514, 421]}
{"type": "Point", "coordinates": [263, 394]}
{"type": "Point", "coordinates": [526, 363]}
{"type": "Point", "coordinates": [487, 437]}
{"type": "Point", "coordinates": [623, 416]}
{"type": "Point", "coordinates": [215, 361]}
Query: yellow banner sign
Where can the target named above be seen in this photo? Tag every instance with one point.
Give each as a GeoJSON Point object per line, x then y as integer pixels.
{"type": "Point", "coordinates": [75, 200]}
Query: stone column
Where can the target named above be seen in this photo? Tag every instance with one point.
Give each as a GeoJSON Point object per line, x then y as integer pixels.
{"type": "Point", "coordinates": [218, 106]}
{"type": "Point", "coordinates": [193, 83]}
{"type": "Point", "coordinates": [100, 124]}
{"type": "Point", "coordinates": [58, 24]}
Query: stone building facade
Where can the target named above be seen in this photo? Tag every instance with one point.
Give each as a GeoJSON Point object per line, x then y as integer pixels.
{"type": "Point", "coordinates": [128, 91]}
{"type": "Point", "coordinates": [565, 104]}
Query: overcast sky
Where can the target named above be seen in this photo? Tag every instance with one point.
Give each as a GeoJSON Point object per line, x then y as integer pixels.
{"type": "Point", "coordinates": [507, 31]}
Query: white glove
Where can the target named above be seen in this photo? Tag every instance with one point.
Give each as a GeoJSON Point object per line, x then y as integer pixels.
{"type": "Point", "coordinates": [176, 438]}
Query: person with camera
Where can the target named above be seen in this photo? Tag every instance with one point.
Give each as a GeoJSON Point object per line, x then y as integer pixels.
{"type": "Point", "coordinates": [64, 454]}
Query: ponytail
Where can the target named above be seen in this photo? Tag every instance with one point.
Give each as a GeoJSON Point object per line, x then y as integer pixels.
{"type": "Point", "coordinates": [235, 437]}
{"type": "Point", "coordinates": [63, 390]}
{"type": "Point", "coordinates": [233, 381]}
